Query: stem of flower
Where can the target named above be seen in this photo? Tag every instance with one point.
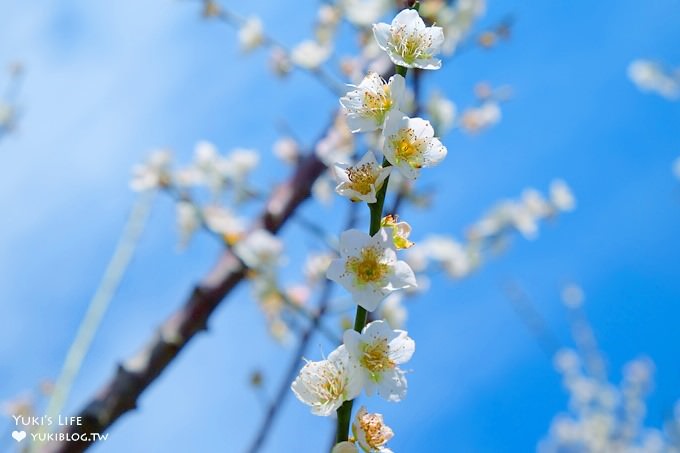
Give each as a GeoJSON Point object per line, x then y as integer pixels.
{"type": "Point", "coordinates": [401, 70]}
{"type": "Point", "coordinates": [376, 209]}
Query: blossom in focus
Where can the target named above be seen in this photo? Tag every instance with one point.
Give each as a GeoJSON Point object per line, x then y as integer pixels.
{"type": "Point", "coordinates": [368, 268]}
{"type": "Point", "coordinates": [410, 144]}
{"type": "Point", "coordinates": [652, 77]}
{"type": "Point", "coordinates": [379, 350]}
{"type": "Point", "coordinates": [310, 54]}
{"type": "Point", "coordinates": [365, 12]}
{"type": "Point", "coordinates": [408, 42]}
{"type": "Point", "coordinates": [370, 432]}
{"type": "Point", "coordinates": [400, 231]}
{"type": "Point", "coordinates": [153, 174]}
{"type": "Point", "coordinates": [260, 250]}
{"type": "Point", "coordinates": [368, 105]}
{"type": "Point", "coordinates": [251, 34]}
{"type": "Point", "coordinates": [442, 112]}
{"type": "Point", "coordinates": [326, 384]}
{"type": "Point", "coordinates": [361, 182]}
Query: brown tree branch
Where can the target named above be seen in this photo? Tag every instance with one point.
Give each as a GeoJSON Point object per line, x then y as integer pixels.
{"type": "Point", "coordinates": [132, 378]}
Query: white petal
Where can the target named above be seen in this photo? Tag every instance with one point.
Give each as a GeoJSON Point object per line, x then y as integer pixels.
{"type": "Point", "coordinates": [403, 276]}
{"type": "Point", "coordinates": [392, 385]}
{"type": "Point", "coordinates": [401, 348]}
{"type": "Point", "coordinates": [382, 34]}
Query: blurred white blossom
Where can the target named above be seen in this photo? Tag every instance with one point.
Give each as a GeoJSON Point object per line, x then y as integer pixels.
{"type": "Point", "coordinates": [365, 12]}
{"type": "Point", "coordinates": [651, 76]}
{"type": "Point", "coordinates": [310, 54]}
{"type": "Point", "coordinates": [442, 112]}
{"type": "Point", "coordinates": [251, 34]}
{"type": "Point", "coordinates": [154, 173]}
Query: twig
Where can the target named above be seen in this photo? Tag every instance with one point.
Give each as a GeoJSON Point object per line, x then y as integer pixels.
{"type": "Point", "coordinates": [132, 377]}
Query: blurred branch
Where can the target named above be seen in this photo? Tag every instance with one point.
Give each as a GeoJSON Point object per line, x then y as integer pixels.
{"type": "Point", "coordinates": [525, 309]}
{"type": "Point", "coordinates": [131, 379]}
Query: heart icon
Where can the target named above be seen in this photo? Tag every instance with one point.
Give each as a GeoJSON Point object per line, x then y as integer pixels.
{"type": "Point", "coordinates": [19, 435]}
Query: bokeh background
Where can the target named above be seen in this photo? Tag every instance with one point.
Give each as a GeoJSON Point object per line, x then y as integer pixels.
{"type": "Point", "coordinates": [107, 82]}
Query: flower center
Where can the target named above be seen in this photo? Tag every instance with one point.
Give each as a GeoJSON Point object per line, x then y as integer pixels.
{"type": "Point", "coordinates": [378, 103]}
{"type": "Point", "coordinates": [376, 434]}
{"type": "Point", "coordinates": [407, 147]}
{"type": "Point", "coordinates": [376, 358]}
{"type": "Point", "coordinates": [361, 178]}
{"type": "Point", "coordinates": [328, 384]}
{"type": "Point", "coordinates": [411, 46]}
{"type": "Point", "coordinates": [367, 267]}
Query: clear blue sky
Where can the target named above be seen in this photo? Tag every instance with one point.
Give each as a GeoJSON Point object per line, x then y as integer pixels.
{"type": "Point", "coordinates": [106, 84]}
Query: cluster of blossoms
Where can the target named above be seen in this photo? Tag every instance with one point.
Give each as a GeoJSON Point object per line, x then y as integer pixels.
{"type": "Point", "coordinates": [604, 417]}
{"type": "Point", "coordinates": [224, 177]}
{"type": "Point", "coordinates": [224, 180]}
{"type": "Point", "coordinates": [368, 265]}
{"type": "Point", "coordinates": [653, 77]}
{"type": "Point", "coordinates": [459, 259]}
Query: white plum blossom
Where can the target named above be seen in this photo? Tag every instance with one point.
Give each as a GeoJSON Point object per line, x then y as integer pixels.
{"type": "Point", "coordinates": [322, 189]}
{"type": "Point", "coordinates": [368, 268]}
{"type": "Point", "coordinates": [378, 350]}
{"type": "Point", "coordinates": [224, 222]}
{"type": "Point", "coordinates": [326, 384]}
{"type": "Point", "coordinates": [361, 182]}
{"type": "Point", "coordinates": [368, 105]}
{"type": "Point", "coordinates": [310, 54]}
{"type": "Point", "coordinates": [251, 34]}
{"type": "Point", "coordinates": [561, 196]}
{"type": "Point", "coordinates": [410, 144]}
{"type": "Point", "coordinates": [188, 221]}
{"type": "Point", "coordinates": [365, 12]}
{"type": "Point", "coordinates": [260, 250]}
{"type": "Point", "coordinates": [370, 432]}
{"type": "Point", "coordinates": [153, 174]}
{"type": "Point", "coordinates": [408, 42]}
{"type": "Point", "coordinates": [345, 447]}
{"type": "Point", "coordinates": [287, 149]}
{"type": "Point", "coordinates": [651, 76]}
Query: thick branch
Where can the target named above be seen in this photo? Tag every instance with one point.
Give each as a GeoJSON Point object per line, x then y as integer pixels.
{"type": "Point", "coordinates": [131, 379]}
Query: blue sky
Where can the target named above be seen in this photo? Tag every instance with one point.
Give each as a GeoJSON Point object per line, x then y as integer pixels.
{"type": "Point", "coordinates": [105, 85]}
